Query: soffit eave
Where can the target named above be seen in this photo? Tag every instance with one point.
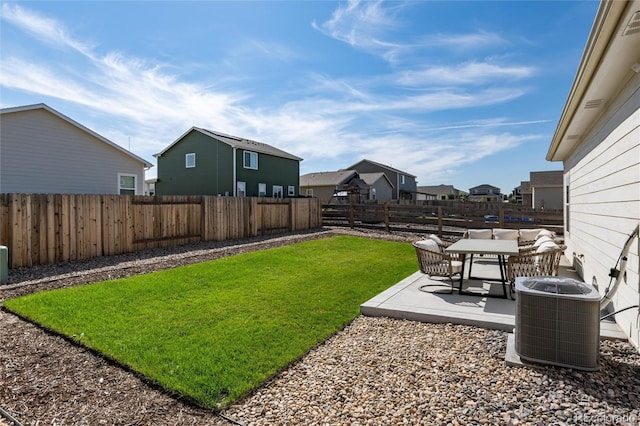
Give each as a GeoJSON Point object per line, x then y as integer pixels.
{"type": "Point", "coordinates": [601, 38]}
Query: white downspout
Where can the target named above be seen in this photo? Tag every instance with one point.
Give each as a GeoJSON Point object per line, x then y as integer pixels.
{"type": "Point", "coordinates": [235, 184]}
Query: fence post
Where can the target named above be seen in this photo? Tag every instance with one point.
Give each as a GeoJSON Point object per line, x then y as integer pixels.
{"type": "Point", "coordinates": [4, 264]}
{"type": "Point", "coordinates": [291, 213]}
{"type": "Point", "coordinates": [501, 216]}
{"type": "Point", "coordinates": [204, 234]}
{"type": "Point", "coordinates": [386, 217]}
{"type": "Point", "coordinates": [351, 215]}
{"type": "Point", "coordinates": [439, 222]}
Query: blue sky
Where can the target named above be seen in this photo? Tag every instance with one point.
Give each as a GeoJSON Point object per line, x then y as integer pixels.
{"type": "Point", "coordinates": [453, 92]}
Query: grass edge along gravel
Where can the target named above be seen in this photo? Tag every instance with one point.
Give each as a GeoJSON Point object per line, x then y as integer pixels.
{"type": "Point", "coordinates": [214, 331]}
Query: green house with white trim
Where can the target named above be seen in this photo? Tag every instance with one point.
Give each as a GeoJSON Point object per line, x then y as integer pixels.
{"type": "Point", "coordinates": [204, 162]}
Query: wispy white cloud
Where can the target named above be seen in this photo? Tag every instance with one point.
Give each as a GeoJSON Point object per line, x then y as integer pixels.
{"type": "Point", "coordinates": [256, 49]}
{"type": "Point", "coordinates": [402, 125]}
{"type": "Point", "coordinates": [364, 25]}
{"type": "Point", "coordinates": [471, 73]}
{"type": "Point", "coordinates": [485, 124]}
{"type": "Point", "coordinates": [46, 29]}
{"type": "Point", "coordinates": [17, 73]}
{"type": "Point", "coordinates": [464, 42]}
{"type": "Point", "coordinates": [369, 26]}
{"type": "Point", "coordinates": [437, 100]}
{"type": "Point", "coordinates": [358, 22]}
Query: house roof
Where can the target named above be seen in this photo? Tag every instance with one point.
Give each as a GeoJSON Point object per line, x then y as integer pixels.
{"type": "Point", "coordinates": [383, 166]}
{"type": "Point", "coordinates": [549, 178]}
{"type": "Point", "coordinates": [76, 124]}
{"type": "Point", "coordinates": [235, 142]}
{"type": "Point", "coordinates": [609, 61]}
{"type": "Point", "coordinates": [485, 186]}
{"type": "Point", "coordinates": [327, 178]}
{"type": "Point", "coordinates": [372, 178]}
{"type": "Point", "coordinates": [438, 189]}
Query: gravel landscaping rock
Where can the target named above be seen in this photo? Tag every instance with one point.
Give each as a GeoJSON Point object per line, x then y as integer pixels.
{"type": "Point", "coordinates": [377, 371]}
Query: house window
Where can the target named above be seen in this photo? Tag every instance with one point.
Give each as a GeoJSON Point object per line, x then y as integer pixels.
{"type": "Point", "coordinates": [190, 160]}
{"type": "Point", "coordinates": [262, 190]}
{"type": "Point", "coordinates": [291, 191]}
{"type": "Point", "coordinates": [402, 179]}
{"type": "Point", "coordinates": [373, 193]}
{"type": "Point", "coordinates": [241, 189]}
{"type": "Point", "coordinates": [126, 184]}
{"type": "Point", "coordinates": [278, 191]}
{"type": "Point", "coordinates": [309, 192]}
{"type": "Point", "coordinates": [250, 160]}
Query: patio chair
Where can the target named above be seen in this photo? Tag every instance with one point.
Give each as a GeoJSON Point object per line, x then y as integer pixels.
{"type": "Point", "coordinates": [534, 245]}
{"type": "Point", "coordinates": [542, 262]}
{"type": "Point", "coordinates": [442, 242]}
{"type": "Point", "coordinates": [434, 263]}
{"type": "Point", "coordinates": [529, 237]}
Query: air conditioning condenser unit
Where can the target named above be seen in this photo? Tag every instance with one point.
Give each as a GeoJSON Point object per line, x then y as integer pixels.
{"type": "Point", "coordinates": [558, 322]}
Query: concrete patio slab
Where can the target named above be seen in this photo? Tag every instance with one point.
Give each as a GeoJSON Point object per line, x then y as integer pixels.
{"type": "Point", "coordinates": [406, 300]}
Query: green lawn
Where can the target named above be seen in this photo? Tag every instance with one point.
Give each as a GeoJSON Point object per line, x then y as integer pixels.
{"type": "Point", "coordinates": [215, 330]}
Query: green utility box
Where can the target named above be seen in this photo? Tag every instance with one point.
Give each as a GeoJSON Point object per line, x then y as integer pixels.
{"type": "Point", "coordinates": [4, 262]}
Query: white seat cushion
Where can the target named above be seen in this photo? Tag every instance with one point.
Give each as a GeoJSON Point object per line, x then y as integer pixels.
{"type": "Point", "coordinates": [542, 240]}
{"type": "Point", "coordinates": [456, 266]}
{"type": "Point", "coordinates": [435, 238]}
{"type": "Point", "coordinates": [546, 246]}
{"type": "Point", "coordinates": [428, 244]}
{"type": "Point", "coordinates": [505, 234]}
{"type": "Point", "coordinates": [480, 234]}
{"type": "Point", "coordinates": [529, 234]}
{"type": "Point", "coordinates": [546, 233]}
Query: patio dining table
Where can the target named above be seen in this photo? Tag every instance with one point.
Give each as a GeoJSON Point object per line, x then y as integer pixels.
{"type": "Point", "coordinates": [501, 248]}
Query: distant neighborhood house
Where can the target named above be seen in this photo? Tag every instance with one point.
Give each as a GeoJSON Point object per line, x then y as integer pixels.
{"type": "Point", "coordinates": [346, 186]}
{"type": "Point", "coordinates": [326, 185]}
{"type": "Point", "coordinates": [439, 192]}
{"type": "Point", "coordinates": [542, 191]}
{"type": "Point", "coordinates": [44, 151]}
{"type": "Point", "coordinates": [522, 193]}
{"type": "Point", "coordinates": [404, 184]}
{"type": "Point", "coordinates": [485, 193]}
{"type": "Point", "coordinates": [150, 186]}
{"type": "Point", "coordinates": [546, 190]}
{"type": "Point", "coordinates": [205, 162]}
{"type": "Point", "coordinates": [379, 186]}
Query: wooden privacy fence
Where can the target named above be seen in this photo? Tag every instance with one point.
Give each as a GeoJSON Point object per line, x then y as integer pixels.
{"type": "Point", "coordinates": [452, 218]}
{"type": "Point", "coordinates": [50, 228]}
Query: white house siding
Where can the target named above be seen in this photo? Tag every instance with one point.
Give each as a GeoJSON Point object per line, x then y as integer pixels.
{"type": "Point", "coordinates": [42, 153]}
{"type": "Point", "coordinates": [603, 176]}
